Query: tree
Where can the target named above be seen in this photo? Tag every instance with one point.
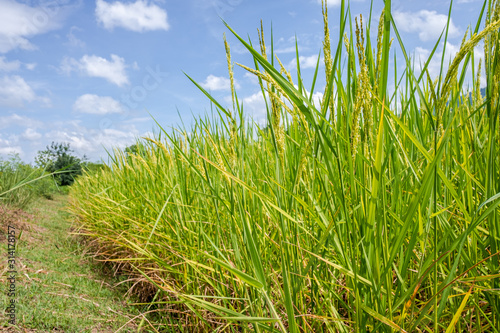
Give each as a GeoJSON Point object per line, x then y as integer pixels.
{"type": "Point", "coordinates": [132, 149]}
{"type": "Point", "coordinates": [59, 157]}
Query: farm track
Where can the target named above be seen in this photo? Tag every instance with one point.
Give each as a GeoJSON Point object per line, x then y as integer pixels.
{"type": "Point", "coordinates": [59, 287]}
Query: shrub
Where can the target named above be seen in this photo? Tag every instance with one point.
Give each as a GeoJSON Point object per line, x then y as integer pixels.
{"type": "Point", "coordinates": [58, 159]}
{"type": "Point", "coordinates": [21, 183]}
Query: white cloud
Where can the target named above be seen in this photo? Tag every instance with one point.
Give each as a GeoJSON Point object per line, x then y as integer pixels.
{"type": "Point", "coordinates": [112, 70]}
{"type": "Point", "coordinates": [421, 55]}
{"type": "Point", "coordinates": [288, 49]}
{"type": "Point", "coordinates": [76, 140]}
{"type": "Point", "coordinates": [31, 135]}
{"type": "Point", "coordinates": [252, 77]}
{"type": "Point", "coordinates": [21, 22]}
{"type": "Point", "coordinates": [17, 120]}
{"type": "Point", "coordinates": [317, 98]}
{"type": "Point", "coordinates": [434, 66]}
{"type": "Point", "coordinates": [94, 104]}
{"type": "Point", "coordinates": [73, 40]}
{"type": "Point", "coordinates": [305, 62]}
{"type": "Point", "coordinates": [14, 91]}
{"type": "Point", "coordinates": [10, 146]}
{"type": "Point", "coordinates": [255, 106]}
{"type": "Point", "coordinates": [8, 66]}
{"type": "Point", "coordinates": [213, 83]}
{"type": "Point", "coordinates": [139, 16]}
{"type": "Point", "coordinates": [9, 150]}
{"type": "Point", "coordinates": [428, 24]}
{"type": "Point", "coordinates": [91, 142]}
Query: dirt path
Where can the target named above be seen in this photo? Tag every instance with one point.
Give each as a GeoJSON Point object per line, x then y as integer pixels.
{"type": "Point", "coordinates": [58, 287]}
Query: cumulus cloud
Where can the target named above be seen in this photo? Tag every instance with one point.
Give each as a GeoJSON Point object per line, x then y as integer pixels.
{"type": "Point", "coordinates": [76, 140]}
{"type": "Point", "coordinates": [287, 49]}
{"type": "Point", "coordinates": [251, 77]}
{"type": "Point", "coordinates": [317, 98]}
{"type": "Point", "coordinates": [255, 106]}
{"type": "Point", "coordinates": [94, 104]}
{"type": "Point", "coordinates": [8, 66]}
{"type": "Point", "coordinates": [31, 135]}
{"type": "Point", "coordinates": [112, 70]}
{"type": "Point", "coordinates": [305, 62]}
{"type": "Point", "coordinates": [21, 22]}
{"type": "Point", "coordinates": [421, 55]}
{"type": "Point", "coordinates": [73, 40]}
{"type": "Point", "coordinates": [14, 91]}
{"type": "Point", "coordinates": [428, 24]}
{"type": "Point", "coordinates": [138, 16]}
{"type": "Point", "coordinates": [17, 120]}
{"type": "Point", "coordinates": [10, 150]}
{"type": "Point", "coordinates": [213, 83]}
{"type": "Point", "coordinates": [10, 146]}
{"type": "Point", "coordinates": [91, 142]}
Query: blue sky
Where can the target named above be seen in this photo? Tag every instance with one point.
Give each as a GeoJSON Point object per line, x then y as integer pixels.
{"type": "Point", "coordinates": [88, 72]}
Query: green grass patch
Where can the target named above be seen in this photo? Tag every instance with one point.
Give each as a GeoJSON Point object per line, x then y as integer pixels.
{"type": "Point", "coordinates": [59, 286]}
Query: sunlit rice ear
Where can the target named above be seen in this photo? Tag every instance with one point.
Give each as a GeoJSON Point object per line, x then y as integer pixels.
{"type": "Point", "coordinates": [232, 120]}
{"type": "Point", "coordinates": [478, 97]}
{"type": "Point", "coordinates": [380, 33]}
{"type": "Point", "coordinates": [362, 102]}
{"type": "Point", "coordinates": [327, 53]}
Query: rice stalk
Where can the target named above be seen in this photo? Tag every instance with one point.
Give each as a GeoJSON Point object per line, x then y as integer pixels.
{"type": "Point", "coordinates": [303, 233]}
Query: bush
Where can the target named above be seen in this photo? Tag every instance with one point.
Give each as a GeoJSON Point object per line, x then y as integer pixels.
{"type": "Point", "coordinates": [57, 158]}
{"type": "Point", "coordinates": [22, 183]}
{"type": "Point", "coordinates": [46, 187]}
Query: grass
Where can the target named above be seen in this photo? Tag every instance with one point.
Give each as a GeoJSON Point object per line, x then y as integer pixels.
{"type": "Point", "coordinates": [21, 184]}
{"type": "Point", "coordinates": [376, 210]}
{"type": "Point", "coordinates": [59, 286]}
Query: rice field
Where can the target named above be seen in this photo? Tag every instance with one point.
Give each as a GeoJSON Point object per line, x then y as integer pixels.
{"type": "Point", "coordinates": [376, 210]}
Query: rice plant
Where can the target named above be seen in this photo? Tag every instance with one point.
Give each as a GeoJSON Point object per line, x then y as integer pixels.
{"type": "Point", "coordinates": [376, 210]}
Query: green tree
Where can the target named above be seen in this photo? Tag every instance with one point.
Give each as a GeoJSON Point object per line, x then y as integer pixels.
{"type": "Point", "coordinates": [59, 157]}
{"type": "Point", "coordinates": [132, 149]}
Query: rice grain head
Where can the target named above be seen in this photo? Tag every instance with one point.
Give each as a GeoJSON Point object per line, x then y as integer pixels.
{"type": "Point", "coordinates": [233, 133]}
{"type": "Point", "coordinates": [230, 68]}
{"type": "Point", "coordinates": [466, 47]}
{"type": "Point", "coordinates": [363, 102]}
{"type": "Point", "coordinates": [327, 52]}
